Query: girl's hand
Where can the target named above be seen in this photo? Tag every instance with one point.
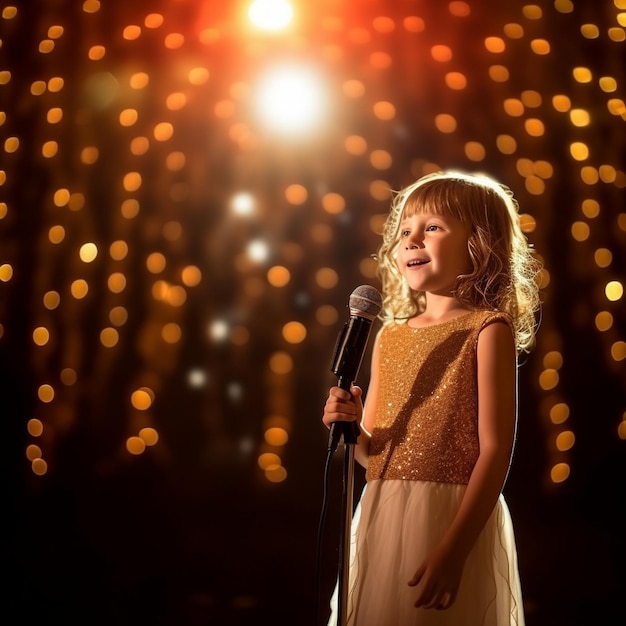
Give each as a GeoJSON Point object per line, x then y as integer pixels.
{"type": "Point", "coordinates": [439, 578]}
{"type": "Point", "coordinates": [342, 407]}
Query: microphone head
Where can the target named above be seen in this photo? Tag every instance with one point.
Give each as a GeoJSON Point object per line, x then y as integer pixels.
{"type": "Point", "coordinates": [365, 301]}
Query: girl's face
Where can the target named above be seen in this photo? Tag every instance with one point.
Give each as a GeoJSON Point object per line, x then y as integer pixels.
{"type": "Point", "coordinates": [432, 252]}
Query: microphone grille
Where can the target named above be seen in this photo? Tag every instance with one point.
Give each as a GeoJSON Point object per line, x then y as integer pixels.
{"type": "Point", "coordinates": [366, 300]}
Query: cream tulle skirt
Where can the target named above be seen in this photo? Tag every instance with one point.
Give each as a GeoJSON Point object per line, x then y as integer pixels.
{"type": "Point", "coordinates": [394, 526]}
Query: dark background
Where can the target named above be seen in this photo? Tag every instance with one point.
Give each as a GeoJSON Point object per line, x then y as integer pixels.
{"type": "Point", "coordinates": [192, 531]}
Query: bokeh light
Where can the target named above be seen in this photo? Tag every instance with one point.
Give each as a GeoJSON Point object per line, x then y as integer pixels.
{"type": "Point", "coordinates": [270, 15]}
{"type": "Point", "coordinates": [291, 100]}
{"type": "Point", "coordinates": [188, 194]}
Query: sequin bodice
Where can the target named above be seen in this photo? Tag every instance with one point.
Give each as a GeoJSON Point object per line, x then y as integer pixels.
{"type": "Point", "coordinates": [426, 423]}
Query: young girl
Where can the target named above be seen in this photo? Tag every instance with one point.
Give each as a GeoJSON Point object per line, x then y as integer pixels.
{"type": "Point", "coordinates": [433, 542]}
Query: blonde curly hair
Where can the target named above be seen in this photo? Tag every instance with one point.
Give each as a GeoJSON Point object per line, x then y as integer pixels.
{"type": "Point", "coordinates": [504, 267]}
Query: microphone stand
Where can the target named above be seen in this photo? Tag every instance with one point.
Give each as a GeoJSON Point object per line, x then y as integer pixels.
{"type": "Point", "coordinates": [349, 436]}
{"type": "Point", "coordinates": [345, 365]}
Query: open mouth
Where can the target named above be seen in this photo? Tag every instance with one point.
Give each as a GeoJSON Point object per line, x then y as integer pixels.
{"type": "Point", "coordinates": [416, 262]}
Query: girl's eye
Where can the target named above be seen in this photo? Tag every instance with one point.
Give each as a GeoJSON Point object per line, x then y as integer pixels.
{"type": "Point", "coordinates": [432, 227]}
{"type": "Point", "coordinates": [406, 233]}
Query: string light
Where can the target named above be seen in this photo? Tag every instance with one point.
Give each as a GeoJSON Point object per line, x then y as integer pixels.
{"type": "Point", "coordinates": [209, 167]}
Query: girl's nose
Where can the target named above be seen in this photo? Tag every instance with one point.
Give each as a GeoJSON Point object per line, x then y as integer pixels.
{"type": "Point", "coordinates": [413, 245]}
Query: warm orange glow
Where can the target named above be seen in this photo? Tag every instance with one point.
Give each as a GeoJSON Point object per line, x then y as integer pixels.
{"type": "Point", "coordinates": [560, 472]}
{"type": "Point", "coordinates": [278, 276]}
{"type": "Point", "coordinates": [296, 194]}
{"type": "Point", "coordinates": [559, 413]}
{"type": "Point", "coordinates": [294, 332]}
{"type": "Point", "coordinates": [327, 278]}
{"type": "Point", "coordinates": [191, 190]}
{"type": "Point", "coordinates": [281, 363]}
{"type": "Point", "coordinates": [333, 203]}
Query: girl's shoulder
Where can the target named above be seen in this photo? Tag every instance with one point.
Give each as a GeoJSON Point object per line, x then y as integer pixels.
{"type": "Point", "coordinates": [492, 317]}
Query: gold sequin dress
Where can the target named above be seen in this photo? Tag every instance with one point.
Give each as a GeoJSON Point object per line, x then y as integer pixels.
{"type": "Point", "coordinates": [423, 448]}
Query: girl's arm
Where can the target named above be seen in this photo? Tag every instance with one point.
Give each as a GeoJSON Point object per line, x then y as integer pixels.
{"type": "Point", "coordinates": [440, 575]}
{"type": "Point", "coordinates": [341, 406]}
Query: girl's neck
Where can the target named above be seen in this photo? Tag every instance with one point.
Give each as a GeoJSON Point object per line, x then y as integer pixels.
{"type": "Point", "coordinates": [441, 308]}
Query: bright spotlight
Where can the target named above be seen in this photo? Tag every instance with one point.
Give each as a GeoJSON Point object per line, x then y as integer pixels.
{"type": "Point", "coordinates": [270, 14]}
{"type": "Point", "coordinates": [291, 99]}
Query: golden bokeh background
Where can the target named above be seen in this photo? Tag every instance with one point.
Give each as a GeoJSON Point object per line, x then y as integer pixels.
{"type": "Point", "coordinates": [189, 192]}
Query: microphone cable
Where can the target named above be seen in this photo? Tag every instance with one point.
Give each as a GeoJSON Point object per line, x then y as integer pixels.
{"type": "Point", "coordinates": [320, 535]}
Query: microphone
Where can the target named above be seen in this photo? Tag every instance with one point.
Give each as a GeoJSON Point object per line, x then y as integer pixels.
{"type": "Point", "coordinates": [365, 304]}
